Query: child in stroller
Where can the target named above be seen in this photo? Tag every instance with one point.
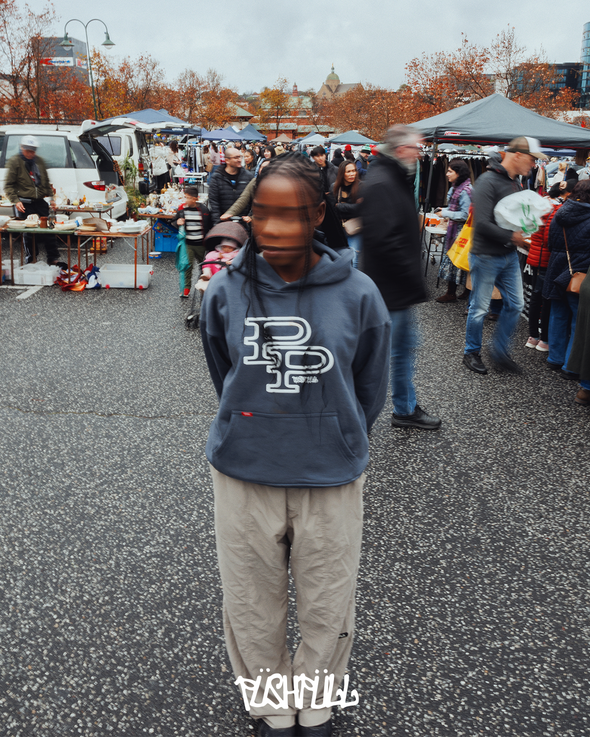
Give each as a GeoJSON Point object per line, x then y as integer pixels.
{"type": "Point", "coordinates": [222, 244]}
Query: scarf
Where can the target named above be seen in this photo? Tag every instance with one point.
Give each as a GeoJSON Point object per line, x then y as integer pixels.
{"type": "Point", "coordinates": [454, 225]}
{"type": "Point", "coordinates": [33, 170]}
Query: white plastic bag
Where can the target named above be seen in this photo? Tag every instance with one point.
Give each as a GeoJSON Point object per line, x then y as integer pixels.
{"type": "Point", "coordinates": [522, 211]}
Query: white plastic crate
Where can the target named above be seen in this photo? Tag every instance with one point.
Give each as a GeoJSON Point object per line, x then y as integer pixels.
{"type": "Point", "coordinates": [121, 276]}
{"type": "Point", "coordinates": [39, 274]}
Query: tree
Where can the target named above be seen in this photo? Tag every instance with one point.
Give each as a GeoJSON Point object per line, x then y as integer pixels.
{"type": "Point", "coordinates": [30, 90]}
{"type": "Point", "coordinates": [129, 84]}
{"type": "Point", "coordinates": [205, 101]}
{"type": "Point", "coordinates": [275, 104]}
{"type": "Point", "coordinates": [442, 81]}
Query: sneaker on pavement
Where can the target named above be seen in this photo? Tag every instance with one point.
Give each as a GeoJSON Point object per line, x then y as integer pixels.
{"type": "Point", "coordinates": [185, 293]}
{"type": "Point", "coordinates": [418, 419]}
{"type": "Point", "coordinates": [264, 730]}
{"type": "Point", "coordinates": [474, 363]}
{"type": "Point", "coordinates": [542, 346]}
{"type": "Point", "coordinates": [503, 362]}
{"type": "Point", "coordinates": [531, 343]}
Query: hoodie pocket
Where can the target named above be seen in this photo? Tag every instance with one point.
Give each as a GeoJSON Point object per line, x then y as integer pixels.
{"type": "Point", "coordinates": [285, 449]}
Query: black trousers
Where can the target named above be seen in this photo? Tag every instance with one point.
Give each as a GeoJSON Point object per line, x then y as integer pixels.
{"type": "Point", "coordinates": [33, 243]}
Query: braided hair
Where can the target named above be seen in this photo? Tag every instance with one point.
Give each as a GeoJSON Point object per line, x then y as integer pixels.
{"type": "Point", "coordinates": [306, 175]}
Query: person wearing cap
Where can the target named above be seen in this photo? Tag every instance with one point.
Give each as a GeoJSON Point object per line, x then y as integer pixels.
{"type": "Point", "coordinates": [197, 222]}
{"type": "Point", "coordinates": [494, 258]}
{"type": "Point", "coordinates": [27, 185]}
{"type": "Point", "coordinates": [362, 163]}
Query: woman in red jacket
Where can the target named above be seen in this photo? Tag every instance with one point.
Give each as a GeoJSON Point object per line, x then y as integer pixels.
{"type": "Point", "coordinates": [538, 258]}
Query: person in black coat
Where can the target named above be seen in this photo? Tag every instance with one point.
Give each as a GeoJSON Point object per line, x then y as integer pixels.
{"type": "Point", "coordinates": [337, 159]}
{"type": "Point", "coordinates": [391, 256]}
{"type": "Point", "coordinates": [227, 184]}
{"type": "Point", "coordinates": [327, 171]}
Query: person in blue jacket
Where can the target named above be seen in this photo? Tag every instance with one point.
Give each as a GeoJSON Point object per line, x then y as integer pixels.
{"type": "Point", "coordinates": [297, 344]}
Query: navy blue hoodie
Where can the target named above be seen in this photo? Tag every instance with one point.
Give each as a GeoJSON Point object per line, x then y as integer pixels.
{"type": "Point", "coordinates": [300, 387]}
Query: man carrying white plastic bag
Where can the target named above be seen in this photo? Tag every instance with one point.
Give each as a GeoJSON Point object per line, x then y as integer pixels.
{"type": "Point", "coordinates": [493, 259]}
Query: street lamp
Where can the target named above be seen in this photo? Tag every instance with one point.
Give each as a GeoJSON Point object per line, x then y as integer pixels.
{"type": "Point", "coordinates": [107, 43]}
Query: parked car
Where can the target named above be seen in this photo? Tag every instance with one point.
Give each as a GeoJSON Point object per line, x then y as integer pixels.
{"type": "Point", "coordinates": [77, 163]}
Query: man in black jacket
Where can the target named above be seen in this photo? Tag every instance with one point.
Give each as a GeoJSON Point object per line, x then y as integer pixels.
{"type": "Point", "coordinates": [391, 256]}
{"type": "Point", "coordinates": [493, 259]}
{"type": "Point", "coordinates": [328, 172]}
{"type": "Point", "coordinates": [227, 184]}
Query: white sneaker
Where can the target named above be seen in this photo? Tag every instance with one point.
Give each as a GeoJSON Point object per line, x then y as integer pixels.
{"type": "Point", "coordinates": [542, 346]}
{"type": "Point", "coordinates": [531, 343]}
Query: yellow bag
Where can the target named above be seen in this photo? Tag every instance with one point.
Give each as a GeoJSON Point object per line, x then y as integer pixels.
{"type": "Point", "coordinates": [460, 249]}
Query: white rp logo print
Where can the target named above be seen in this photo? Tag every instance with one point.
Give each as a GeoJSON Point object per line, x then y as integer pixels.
{"type": "Point", "coordinates": [292, 345]}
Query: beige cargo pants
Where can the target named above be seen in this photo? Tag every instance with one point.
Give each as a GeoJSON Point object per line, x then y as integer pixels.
{"type": "Point", "coordinates": [259, 531]}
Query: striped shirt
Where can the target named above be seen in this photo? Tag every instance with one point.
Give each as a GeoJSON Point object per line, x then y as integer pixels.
{"type": "Point", "coordinates": [193, 224]}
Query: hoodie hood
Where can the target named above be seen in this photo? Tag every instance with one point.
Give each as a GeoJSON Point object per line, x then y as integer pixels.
{"type": "Point", "coordinates": [332, 267]}
{"type": "Point", "coordinates": [572, 213]}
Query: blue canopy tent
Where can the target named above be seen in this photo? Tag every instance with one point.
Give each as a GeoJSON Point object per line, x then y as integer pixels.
{"type": "Point", "coordinates": [156, 118]}
{"type": "Point", "coordinates": [222, 134]}
{"type": "Point", "coordinates": [354, 138]}
{"type": "Point", "coordinates": [249, 133]}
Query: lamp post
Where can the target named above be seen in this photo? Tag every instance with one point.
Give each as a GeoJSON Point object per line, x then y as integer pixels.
{"type": "Point", "coordinates": [107, 43]}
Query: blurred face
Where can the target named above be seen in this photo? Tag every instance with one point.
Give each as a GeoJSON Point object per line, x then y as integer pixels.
{"type": "Point", "coordinates": [320, 160]}
{"type": "Point", "coordinates": [452, 176]}
{"type": "Point", "coordinates": [349, 174]}
{"type": "Point", "coordinates": [28, 153]}
{"type": "Point", "coordinates": [525, 163]}
{"type": "Point", "coordinates": [189, 200]}
{"type": "Point", "coordinates": [283, 225]}
{"type": "Point", "coordinates": [267, 153]}
{"type": "Point", "coordinates": [249, 157]}
{"type": "Point", "coordinates": [364, 155]}
{"type": "Point", "coordinates": [233, 158]}
{"type": "Point", "coordinates": [409, 152]}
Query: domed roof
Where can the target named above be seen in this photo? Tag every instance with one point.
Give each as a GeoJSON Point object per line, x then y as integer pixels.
{"type": "Point", "coordinates": [333, 77]}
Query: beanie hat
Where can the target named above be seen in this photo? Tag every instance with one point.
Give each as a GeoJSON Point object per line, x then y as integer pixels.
{"type": "Point", "coordinates": [348, 147]}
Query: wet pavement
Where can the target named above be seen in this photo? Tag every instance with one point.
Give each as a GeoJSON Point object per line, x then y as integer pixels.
{"type": "Point", "coordinates": [473, 605]}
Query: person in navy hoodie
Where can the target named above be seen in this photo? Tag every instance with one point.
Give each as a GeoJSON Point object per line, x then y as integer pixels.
{"type": "Point", "coordinates": [297, 344]}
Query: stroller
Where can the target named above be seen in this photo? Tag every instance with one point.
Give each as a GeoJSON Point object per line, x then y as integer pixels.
{"type": "Point", "coordinates": [222, 235]}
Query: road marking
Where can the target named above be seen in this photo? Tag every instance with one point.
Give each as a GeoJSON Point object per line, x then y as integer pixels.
{"type": "Point", "coordinates": [30, 291]}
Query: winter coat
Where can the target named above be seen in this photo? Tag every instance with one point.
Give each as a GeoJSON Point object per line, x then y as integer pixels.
{"type": "Point", "coordinates": [391, 253]}
{"type": "Point", "coordinates": [488, 237]}
{"type": "Point", "coordinates": [574, 217]}
{"type": "Point", "coordinates": [539, 251]}
{"type": "Point", "coordinates": [18, 182]}
{"type": "Point", "coordinates": [579, 360]}
{"type": "Point", "coordinates": [300, 384]}
{"type": "Point", "coordinates": [347, 207]}
{"type": "Point", "coordinates": [158, 159]}
{"type": "Point", "coordinates": [224, 190]}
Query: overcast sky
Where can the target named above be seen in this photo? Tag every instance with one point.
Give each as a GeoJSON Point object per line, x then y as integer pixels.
{"type": "Point", "coordinates": [253, 42]}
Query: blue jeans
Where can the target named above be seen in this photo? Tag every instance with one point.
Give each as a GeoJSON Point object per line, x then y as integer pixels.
{"type": "Point", "coordinates": [404, 341]}
{"type": "Point", "coordinates": [504, 272]}
{"type": "Point", "coordinates": [562, 326]}
{"type": "Point", "coordinates": [356, 243]}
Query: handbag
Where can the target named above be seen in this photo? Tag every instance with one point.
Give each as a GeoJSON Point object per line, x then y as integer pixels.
{"type": "Point", "coordinates": [576, 278]}
{"type": "Point", "coordinates": [459, 251]}
{"type": "Point", "coordinates": [353, 226]}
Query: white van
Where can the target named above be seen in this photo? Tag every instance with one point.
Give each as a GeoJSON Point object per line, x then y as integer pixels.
{"type": "Point", "coordinates": [126, 143]}
{"type": "Point", "coordinates": [77, 163]}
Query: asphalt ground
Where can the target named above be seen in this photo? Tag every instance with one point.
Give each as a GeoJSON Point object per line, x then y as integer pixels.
{"type": "Point", "coordinates": [473, 601]}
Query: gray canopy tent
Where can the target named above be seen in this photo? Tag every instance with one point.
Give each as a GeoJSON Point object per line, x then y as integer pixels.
{"type": "Point", "coordinates": [495, 120]}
